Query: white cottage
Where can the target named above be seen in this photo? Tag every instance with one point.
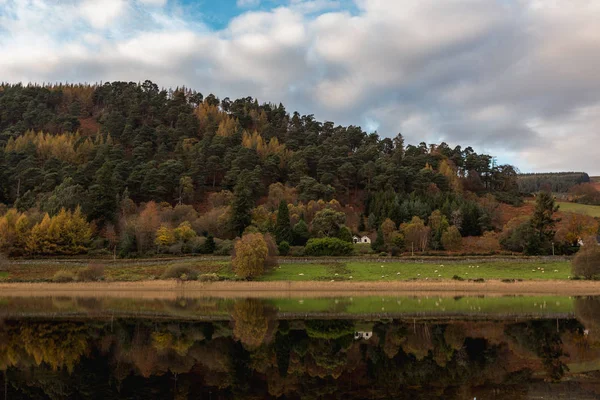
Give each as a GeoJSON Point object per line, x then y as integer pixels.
{"type": "Point", "coordinates": [362, 335]}
{"type": "Point", "coordinates": [363, 239]}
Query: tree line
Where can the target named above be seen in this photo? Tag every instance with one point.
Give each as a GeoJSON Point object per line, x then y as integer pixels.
{"type": "Point", "coordinates": [128, 154]}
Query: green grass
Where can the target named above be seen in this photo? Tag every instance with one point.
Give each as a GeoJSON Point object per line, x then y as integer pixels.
{"type": "Point", "coordinates": [429, 304]}
{"type": "Point", "coordinates": [593, 211]}
{"type": "Point", "coordinates": [3, 275]}
{"type": "Point", "coordinates": [397, 271]}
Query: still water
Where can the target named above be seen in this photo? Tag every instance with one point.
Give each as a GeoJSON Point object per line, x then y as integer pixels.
{"type": "Point", "coordinates": [293, 348]}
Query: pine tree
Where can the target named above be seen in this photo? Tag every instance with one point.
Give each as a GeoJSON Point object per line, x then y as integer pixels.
{"type": "Point", "coordinates": [379, 243]}
{"type": "Point", "coordinates": [241, 207]}
{"type": "Point", "coordinates": [283, 229]}
{"type": "Point", "coordinates": [542, 220]}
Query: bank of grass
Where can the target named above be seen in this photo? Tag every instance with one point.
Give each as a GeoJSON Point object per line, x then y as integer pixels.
{"type": "Point", "coordinates": [397, 271]}
{"type": "Point", "coordinates": [351, 270]}
{"type": "Point", "coordinates": [593, 211]}
{"type": "Point", "coordinates": [120, 270]}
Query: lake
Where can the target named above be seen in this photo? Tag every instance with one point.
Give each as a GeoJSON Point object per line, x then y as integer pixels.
{"type": "Point", "coordinates": [393, 347]}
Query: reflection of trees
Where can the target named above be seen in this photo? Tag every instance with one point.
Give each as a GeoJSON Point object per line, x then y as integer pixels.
{"type": "Point", "coordinates": [587, 311]}
{"type": "Point", "coordinates": [302, 359]}
{"type": "Point", "coordinates": [542, 338]}
{"type": "Point", "coordinates": [60, 345]}
{"type": "Point", "coordinates": [252, 318]}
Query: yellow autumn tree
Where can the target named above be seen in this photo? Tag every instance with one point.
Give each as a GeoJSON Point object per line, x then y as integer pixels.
{"type": "Point", "coordinates": [67, 233]}
{"type": "Point", "coordinates": [184, 232]}
{"type": "Point", "coordinates": [165, 236]}
{"type": "Point", "coordinates": [250, 254]}
{"type": "Point", "coordinates": [448, 169]}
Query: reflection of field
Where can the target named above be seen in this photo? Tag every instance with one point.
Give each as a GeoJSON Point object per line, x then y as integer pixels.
{"type": "Point", "coordinates": [339, 307]}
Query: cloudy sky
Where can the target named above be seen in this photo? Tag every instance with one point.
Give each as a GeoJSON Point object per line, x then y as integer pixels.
{"type": "Point", "coordinates": [517, 78]}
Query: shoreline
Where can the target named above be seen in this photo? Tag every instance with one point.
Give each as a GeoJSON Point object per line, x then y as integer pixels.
{"type": "Point", "coordinates": [227, 289]}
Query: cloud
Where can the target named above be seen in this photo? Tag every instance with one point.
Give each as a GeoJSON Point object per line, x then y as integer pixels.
{"type": "Point", "coordinates": [101, 13]}
{"type": "Point", "coordinates": [516, 78]}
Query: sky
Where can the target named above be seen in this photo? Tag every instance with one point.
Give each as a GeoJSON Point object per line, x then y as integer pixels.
{"type": "Point", "coordinates": [519, 79]}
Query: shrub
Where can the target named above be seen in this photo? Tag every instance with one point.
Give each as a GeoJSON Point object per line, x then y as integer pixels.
{"type": "Point", "coordinates": [93, 272]}
{"type": "Point", "coordinates": [224, 248]}
{"type": "Point", "coordinates": [587, 262]}
{"type": "Point", "coordinates": [3, 262]}
{"type": "Point", "coordinates": [250, 255]}
{"type": "Point", "coordinates": [63, 276]}
{"type": "Point", "coordinates": [363, 248]}
{"type": "Point", "coordinates": [296, 251]}
{"type": "Point", "coordinates": [284, 248]}
{"type": "Point", "coordinates": [209, 245]}
{"type": "Point", "coordinates": [328, 247]}
{"type": "Point", "coordinates": [458, 278]}
{"type": "Point", "coordinates": [180, 272]}
{"type": "Point", "coordinates": [208, 277]}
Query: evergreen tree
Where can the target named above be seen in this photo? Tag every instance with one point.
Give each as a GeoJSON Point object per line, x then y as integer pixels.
{"type": "Point", "coordinates": [283, 229]}
{"type": "Point", "coordinates": [542, 220]}
{"type": "Point", "coordinates": [379, 243]}
{"type": "Point", "coordinates": [241, 207]}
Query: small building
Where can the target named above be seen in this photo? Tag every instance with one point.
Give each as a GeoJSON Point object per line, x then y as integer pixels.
{"type": "Point", "coordinates": [362, 335]}
{"type": "Point", "coordinates": [361, 239]}
{"type": "Point", "coordinates": [580, 242]}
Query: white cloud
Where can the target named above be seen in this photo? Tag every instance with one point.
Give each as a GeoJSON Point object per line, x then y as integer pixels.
{"type": "Point", "coordinates": [516, 78]}
{"type": "Point", "coordinates": [101, 13]}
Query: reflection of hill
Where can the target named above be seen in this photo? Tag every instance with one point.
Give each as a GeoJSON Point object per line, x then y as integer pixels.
{"type": "Point", "coordinates": [254, 356]}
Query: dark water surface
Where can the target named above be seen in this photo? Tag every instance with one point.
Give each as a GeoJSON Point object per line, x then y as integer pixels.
{"type": "Point", "coordinates": [291, 348]}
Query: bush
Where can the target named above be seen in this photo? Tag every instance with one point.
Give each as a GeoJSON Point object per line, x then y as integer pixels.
{"type": "Point", "coordinates": [328, 247]}
{"type": "Point", "coordinates": [587, 262]}
{"type": "Point", "coordinates": [209, 245]}
{"type": "Point", "coordinates": [284, 248]}
{"type": "Point", "coordinates": [224, 248]}
{"type": "Point", "coordinates": [3, 262]}
{"type": "Point", "coordinates": [457, 278]}
{"type": "Point", "coordinates": [296, 251]}
{"type": "Point", "coordinates": [91, 273]}
{"type": "Point", "coordinates": [208, 278]}
{"type": "Point", "coordinates": [63, 276]}
{"type": "Point", "coordinates": [180, 272]}
{"type": "Point", "coordinates": [363, 248]}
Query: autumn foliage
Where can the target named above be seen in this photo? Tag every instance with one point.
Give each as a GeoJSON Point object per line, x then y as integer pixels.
{"type": "Point", "coordinates": [250, 255]}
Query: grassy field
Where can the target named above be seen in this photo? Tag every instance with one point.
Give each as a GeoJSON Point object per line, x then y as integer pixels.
{"type": "Point", "coordinates": [350, 271]}
{"type": "Point", "coordinates": [593, 211]}
{"type": "Point", "coordinates": [371, 271]}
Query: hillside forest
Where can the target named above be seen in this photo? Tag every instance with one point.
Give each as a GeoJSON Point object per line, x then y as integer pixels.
{"type": "Point", "coordinates": [135, 170]}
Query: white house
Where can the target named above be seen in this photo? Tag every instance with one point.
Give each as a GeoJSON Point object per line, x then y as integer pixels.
{"type": "Point", "coordinates": [364, 239]}
{"type": "Point", "coordinates": [362, 335]}
{"type": "Point", "coordinates": [581, 243]}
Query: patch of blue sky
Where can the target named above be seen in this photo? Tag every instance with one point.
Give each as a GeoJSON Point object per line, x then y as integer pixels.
{"type": "Point", "coordinates": [216, 14]}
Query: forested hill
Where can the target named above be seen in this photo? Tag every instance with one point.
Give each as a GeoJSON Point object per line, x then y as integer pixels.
{"type": "Point", "coordinates": [96, 145]}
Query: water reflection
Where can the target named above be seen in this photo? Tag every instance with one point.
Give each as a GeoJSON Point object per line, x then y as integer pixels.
{"type": "Point", "coordinates": [252, 349]}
